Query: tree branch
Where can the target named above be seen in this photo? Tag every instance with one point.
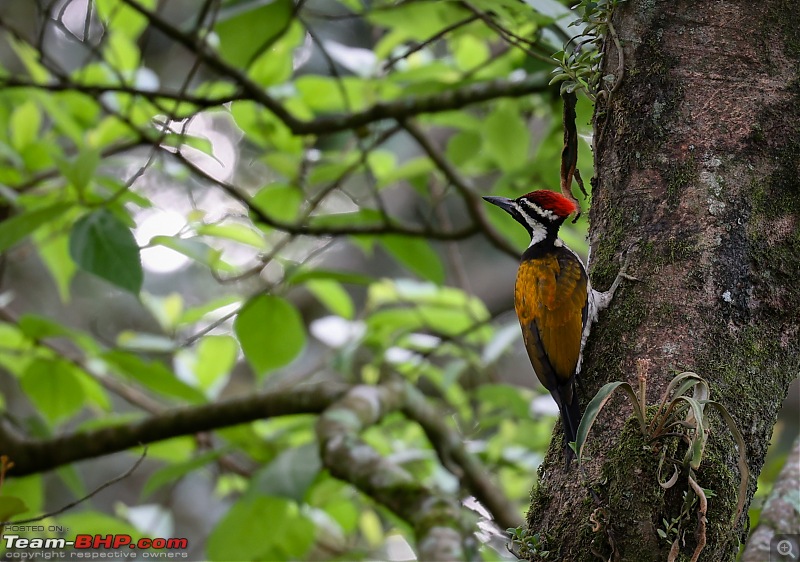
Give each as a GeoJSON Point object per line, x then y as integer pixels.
{"type": "Point", "coordinates": [450, 447]}
{"type": "Point", "coordinates": [473, 202]}
{"type": "Point", "coordinates": [779, 514]}
{"type": "Point", "coordinates": [38, 456]}
{"type": "Point", "coordinates": [302, 228]}
{"type": "Point", "coordinates": [94, 91]}
{"type": "Point", "coordinates": [438, 521]}
{"type": "Point", "coordinates": [79, 501]}
{"type": "Point", "coordinates": [402, 109]}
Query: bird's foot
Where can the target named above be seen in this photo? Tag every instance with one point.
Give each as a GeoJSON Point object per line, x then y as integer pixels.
{"type": "Point", "coordinates": [603, 299]}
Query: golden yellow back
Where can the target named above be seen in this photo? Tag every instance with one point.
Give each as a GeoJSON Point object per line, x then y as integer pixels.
{"type": "Point", "coordinates": [550, 296]}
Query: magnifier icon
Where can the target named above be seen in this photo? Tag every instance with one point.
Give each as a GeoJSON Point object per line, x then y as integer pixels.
{"type": "Point", "coordinates": [785, 549]}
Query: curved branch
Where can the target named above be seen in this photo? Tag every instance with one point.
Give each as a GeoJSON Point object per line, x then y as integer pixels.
{"type": "Point", "coordinates": [450, 447]}
{"type": "Point", "coordinates": [780, 515]}
{"type": "Point", "coordinates": [42, 455]}
{"type": "Point", "coordinates": [438, 521]}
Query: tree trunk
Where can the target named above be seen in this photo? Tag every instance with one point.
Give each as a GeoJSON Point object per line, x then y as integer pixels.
{"type": "Point", "coordinates": [697, 172]}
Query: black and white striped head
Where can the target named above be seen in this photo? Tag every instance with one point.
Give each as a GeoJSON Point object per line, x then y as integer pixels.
{"type": "Point", "coordinates": [540, 212]}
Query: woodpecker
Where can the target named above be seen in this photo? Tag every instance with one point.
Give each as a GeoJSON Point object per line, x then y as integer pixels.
{"type": "Point", "coordinates": [554, 300]}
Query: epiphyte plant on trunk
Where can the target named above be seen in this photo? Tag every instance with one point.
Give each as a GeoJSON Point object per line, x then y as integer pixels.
{"type": "Point", "coordinates": [682, 414]}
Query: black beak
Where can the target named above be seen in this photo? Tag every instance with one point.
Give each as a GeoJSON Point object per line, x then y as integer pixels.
{"type": "Point", "coordinates": [502, 202]}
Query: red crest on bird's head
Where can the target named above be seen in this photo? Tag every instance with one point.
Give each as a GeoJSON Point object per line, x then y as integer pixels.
{"type": "Point", "coordinates": [551, 201]}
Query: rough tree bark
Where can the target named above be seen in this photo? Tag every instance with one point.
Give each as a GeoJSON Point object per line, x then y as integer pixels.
{"type": "Point", "coordinates": [697, 164]}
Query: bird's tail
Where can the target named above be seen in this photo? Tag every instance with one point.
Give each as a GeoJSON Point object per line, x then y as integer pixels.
{"type": "Point", "coordinates": [570, 418]}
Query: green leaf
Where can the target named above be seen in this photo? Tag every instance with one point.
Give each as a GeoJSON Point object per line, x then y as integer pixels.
{"type": "Point", "coordinates": [38, 155]}
{"type": "Point", "coordinates": [271, 333]}
{"type": "Point", "coordinates": [418, 20]}
{"type": "Point", "coordinates": [109, 130]}
{"type": "Point", "coordinates": [201, 144]}
{"type": "Point", "coordinates": [53, 388]}
{"type": "Point", "coordinates": [102, 245]}
{"type": "Point", "coordinates": [290, 474]}
{"type": "Point", "coordinates": [216, 356]}
{"type": "Point", "coordinates": [344, 512]}
{"type": "Point", "coordinates": [152, 375]}
{"type": "Point", "coordinates": [593, 410]}
{"type": "Point", "coordinates": [60, 110]}
{"type": "Point", "coordinates": [320, 93]}
{"type": "Point", "coordinates": [40, 327]}
{"type": "Point", "coordinates": [302, 274]}
{"type": "Point", "coordinates": [697, 443]}
{"type": "Point", "coordinates": [261, 528]}
{"type": "Point", "coordinates": [197, 313]}
{"type": "Point", "coordinates": [24, 125]}
{"type": "Point", "coordinates": [96, 523]}
{"type": "Point", "coordinates": [28, 488]}
{"type": "Point", "coordinates": [237, 232]}
{"type": "Point", "coordinates": [19, 226]}
{"type": "Point", "coordinates": [68, 474]}
{"type": "Point", "coordinates": [81, 170]}
{"type": "Point", "coordinates": [381, 163]}
{"type": "Point", "coordinates": [145, 342]}
{"type": "Point", "coordinates": [443, 310]}
{"type": "Point", "coordinates": [15, 353]}
{"type": "Point", "coordinates": [333, 296]}
{"type": "Point", "coordinates": [53, 245]}
{"type": "Point", "coordinates": [505, 397]}
{"type": "Point", "coordinates": [275, 65]}
{"type": "Point", "coordinates": [371, 527]}
{"type": "Point", "coordinates": [362, 217]}
{"type": "Point", "coordinates": [121, 18]}
{"type": "Point", "coordinates": [93, 391]}
{"type": "Point", "coordinates": [417, 255]}
{"type": "Point", "coordinates": [469, 51]}
{"type": "Point", "coordinates": [279, 201]}
{"type": "Point", "coordinates": [173, 472]}
{"type": "Point", "coordinates": [167, 309]}
{"type": "Point", "coordinates": [245, 27]}
{"type": "Point", "coordinates": [678, 386]}
{"type": "Point", "coordinates": [121, 52]}
{"type": "Point", "coordinates": [409, 170]}
{"type": "Point", "coordinates": [177, 449]}
{"type": "Point", "coordinates": [11, 506]}
{"type": "Point", "coordinates": [506, 136]}
{"type": "Point", "coordinates": [194, 249]}
{"type": "Point", "coordinates": [463, 147]}
{"type": "Point", "coordinates": [29, 56]}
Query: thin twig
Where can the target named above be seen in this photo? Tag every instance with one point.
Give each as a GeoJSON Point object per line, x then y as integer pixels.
{"type": "Point", "coordinates": [507, 35]}
{"type": "Point", "coordinates": [471, 199]}
{"type": "Point", "coordinates": [388, 64]}
{"type": "Point", "coordinates": [90, 495]}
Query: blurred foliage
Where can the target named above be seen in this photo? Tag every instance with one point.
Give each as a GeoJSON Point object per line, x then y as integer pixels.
{"type": "Point", "coordinates": [158, 157]}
